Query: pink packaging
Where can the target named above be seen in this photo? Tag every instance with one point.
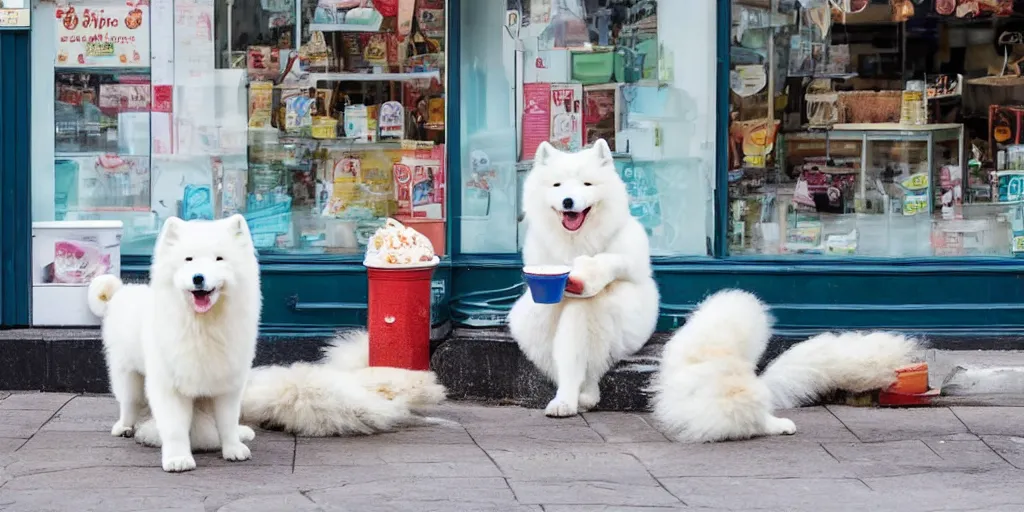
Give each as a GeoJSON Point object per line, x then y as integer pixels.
{"type": "Point", "coordinates": [420, 183]}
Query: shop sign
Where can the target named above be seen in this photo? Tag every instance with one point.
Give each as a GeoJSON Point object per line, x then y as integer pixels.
{"type": "Point", "coordinates": [15, 15]}
{"type": "Point", "coordinates": [107, 36]}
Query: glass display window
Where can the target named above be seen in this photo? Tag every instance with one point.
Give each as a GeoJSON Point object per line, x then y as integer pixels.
{"type": "Point", "coordinates": [864, 129]}
{"type": "Point", "coordinates": [315, 119]}
{"type": "Point", "coordinates": [570, 72]}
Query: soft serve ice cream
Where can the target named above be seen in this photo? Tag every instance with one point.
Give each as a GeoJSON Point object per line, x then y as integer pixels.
{"type": "Point", "coordinates": [395, 244]}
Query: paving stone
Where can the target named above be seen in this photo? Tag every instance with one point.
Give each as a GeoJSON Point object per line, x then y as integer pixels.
{"type": "Point", "coordinates": [9, 444]}
{"type": "Point", "coordinates": [591, 493]}
{"type": "Point", "coordinates": [457, 492]}
{"type": "Point", "coordinates": [33, 401]}
{"type": "Point", "coordinates": [551, 435]}
{"type": "Point", "coordinates": [29, 461]}
{"type": "Point", "coordinates": [22, 423]}
{"type": "Point", "coordinates": [86, 414]}
{"type": "Point", "coordinates": [953, 490]}
{"type": "Point", "coordinates": [885, 458]}
{"type": "Point", "coordinates": [482, 417]}
{"type": "Point", "coordinates": [967, 455]}
{"type": "Point", "coordinates": [1000, 421]}
{"type": "Point", "coordinates": [623, 427]}
{"type": "Point", "coordinates": [612, 508]}
{"type": "Point", "coordinates": [363, 451]}
{"type": "Point", "coordinates": [743, 493]}
{"type": "Point", "coordinates": [292, 502]}
{"type": "Point", "coordinates": [170, 500]}
{"type": "Point", "coordinates": [738, 459]}
{"type": "Point", "coordinates": [877, 424]}
{"type": "Point", "coordinates": [75, 440]}
{"type": "Point", "coordinates": [815, 424]}
{"type": "Point", "coordinates": [383, 472]}
{"type": "Point", "coordinates": [1009, 448]}
{"type": "Point", "coordinates": [571, 462]}
{"type": "Point", "coordinates": [438, 434]}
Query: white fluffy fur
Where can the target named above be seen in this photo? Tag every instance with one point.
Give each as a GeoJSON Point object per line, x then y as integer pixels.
{"type": "Point", "coordinates": [577, 340]}
{"type": "Point", "coordinates": [188, 365]}
{"type": "Point", "coordinates": [340, 395]}
{"type": "Point", "coordinates": [707, 390]}
{"type": "Point", "coordinates": [849, 361]}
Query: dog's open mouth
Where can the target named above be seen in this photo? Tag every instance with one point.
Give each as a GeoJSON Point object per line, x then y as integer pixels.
{"type": "Point", "coordinates": [202, 300]}
{"type": "Point", "coordinates": [573, 221]}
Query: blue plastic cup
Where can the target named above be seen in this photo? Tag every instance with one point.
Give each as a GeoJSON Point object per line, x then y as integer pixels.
{"type": "Point", "coordinates": [546, 282]}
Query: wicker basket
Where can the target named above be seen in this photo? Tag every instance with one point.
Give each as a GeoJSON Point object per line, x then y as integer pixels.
{"type": "Point", "coordinates": [870, 106]}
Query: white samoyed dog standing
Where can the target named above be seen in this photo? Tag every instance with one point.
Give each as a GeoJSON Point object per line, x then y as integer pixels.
{"type": "Point", "coordinates": [182, 347]}
{"type": "Point", "coordinates": [577, 214]}
{"type": "Point", "coordinates": [186, 340]}
{"type": "Point", "coordinates": [707, 389]}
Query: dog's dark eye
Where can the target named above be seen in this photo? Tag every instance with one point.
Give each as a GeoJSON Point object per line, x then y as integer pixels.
{"type": "Point", "coordinates": [220, 258]}
{"type": "Point", "coordinates": [189, 258]}
{"type": "Point", "coordinates": [557, 185]}
{"type": "Point", "coordinates": [586, 184]}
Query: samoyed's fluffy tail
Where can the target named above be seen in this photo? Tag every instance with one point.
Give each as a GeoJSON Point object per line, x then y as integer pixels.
{"type": "Point", "coordinates": [101, 290]}
{"type": "Point", "coordinates": [851, 361]}
{"type": "Point", "coordinates": [349, 350]}
{"type": "Point", "coordinates": [340, 395]}
{"type": "Point", "coordinates": [706, 388]}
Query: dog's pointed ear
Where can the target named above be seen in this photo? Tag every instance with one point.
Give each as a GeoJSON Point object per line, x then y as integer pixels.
{"type": "Point", "coordinates": [544, 153]}
{"type": "Point", "coordinates": [604, 153]}
{"type": "Point", "coordinates": [239, 228]}
{"type": "Point", "coordinates": [170, 234]}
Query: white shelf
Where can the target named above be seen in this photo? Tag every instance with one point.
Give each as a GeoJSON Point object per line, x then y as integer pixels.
{"type": "Point", "coordinates": [374, 77]}
{"type": "Point", "coordinates": [344, 27]}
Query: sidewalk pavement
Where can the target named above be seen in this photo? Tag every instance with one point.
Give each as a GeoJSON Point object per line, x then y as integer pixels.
{"type": "Point", "coordinates": [56, 454]}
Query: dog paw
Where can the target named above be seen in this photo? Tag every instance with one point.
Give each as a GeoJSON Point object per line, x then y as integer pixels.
{"type": "Point", "coordinates": [246, 434]}
{"type": "Point", "coordinates": [591, 275]}
{"type": "Point", "coordinates": [120, 430]}
{"type": "Point", "coordinates": [179, 464]}
{"type": "Point", "coordinates": [782, 426]}
{"type": "Point", "coordinates": [236, 452]}
{"type": "Point", "coordinates": [561, 408]}
{"type": "Point", "coordinates": [589, 400]}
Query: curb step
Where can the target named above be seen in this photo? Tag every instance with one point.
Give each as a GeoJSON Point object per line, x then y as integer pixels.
{"type": "Point", "coordinates": [486, 365]}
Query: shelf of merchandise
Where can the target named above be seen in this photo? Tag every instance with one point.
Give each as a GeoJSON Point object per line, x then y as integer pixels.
{"type": "Point", "coordinates": [895, 132]}
{"type": "Point", "coordinates": [374, 77]}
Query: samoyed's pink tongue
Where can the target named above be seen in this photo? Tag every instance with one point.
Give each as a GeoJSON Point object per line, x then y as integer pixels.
{"type": "Point", "coordinates": [201, 303]}
{"type": "Point", "coordinates": [573, 220]}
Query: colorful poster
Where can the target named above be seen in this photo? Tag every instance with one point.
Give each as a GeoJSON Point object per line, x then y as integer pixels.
{"type": "Point", "coordinates": [125, 97]}
{"type": "Point", "coordinates": [567, 116]}
{"type": "Point", "coordinates": [536, 117]}
{"type": "Point", "coordinates": [109, 36]}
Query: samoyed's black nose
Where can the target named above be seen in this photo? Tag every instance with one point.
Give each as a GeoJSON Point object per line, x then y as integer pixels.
{"type": "Point", "coordinates": [567, 203]}
{"type": "Point", "coordinates": [198, 280]}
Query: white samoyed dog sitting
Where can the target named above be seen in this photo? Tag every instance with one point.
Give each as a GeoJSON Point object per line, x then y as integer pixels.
{"type": "Point", "coordinates": [577, 214]}
{"type": "Point", "coordinates": [707, 389]}
{"type": "Point", "coordinates": [185, 342]}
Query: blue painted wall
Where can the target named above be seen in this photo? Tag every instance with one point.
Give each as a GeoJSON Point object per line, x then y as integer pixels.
{"type": "Point", "coordinates": [15, 177]}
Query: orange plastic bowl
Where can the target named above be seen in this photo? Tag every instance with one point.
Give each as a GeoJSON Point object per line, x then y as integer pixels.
{"type": "Point", "coordinates": [911, 380]}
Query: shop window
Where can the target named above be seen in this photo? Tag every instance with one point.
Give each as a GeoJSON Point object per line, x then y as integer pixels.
{"type": "Point", "coordinates": [316, 120]}
{"type": "Point", "coordinates": [875, 129]}
{"type": "Point", "coordinates": [638, 73]}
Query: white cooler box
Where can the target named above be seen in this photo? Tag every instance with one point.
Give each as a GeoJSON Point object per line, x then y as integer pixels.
{"type": "Point", "coordinates": [66, 255]}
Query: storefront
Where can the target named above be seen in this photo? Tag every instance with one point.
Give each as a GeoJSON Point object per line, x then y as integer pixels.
{"type": "Point", "coordinates": [317, 119]}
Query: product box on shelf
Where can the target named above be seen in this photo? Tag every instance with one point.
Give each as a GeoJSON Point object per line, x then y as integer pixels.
{"type": "Point", "coordinates": [66, 256]}
{"type": "Point", "coordinates": [1005, 123]}
{"type": "Point", "coordinates": [602, 113]}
